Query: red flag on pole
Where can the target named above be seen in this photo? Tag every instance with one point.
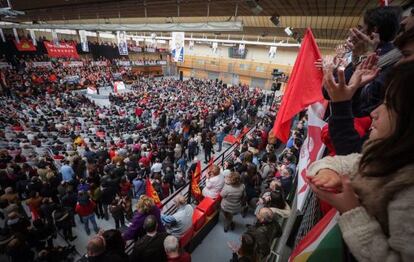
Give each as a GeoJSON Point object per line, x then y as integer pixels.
{"type": "Point", "coordinates": [195, 179]}
{"type": "Point", "coordinates": [151, 192]}
{"type": "Point", "coordinates": [304, 86]}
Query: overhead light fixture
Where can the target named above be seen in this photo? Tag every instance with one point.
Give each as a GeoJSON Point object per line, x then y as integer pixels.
{"type": "Point", "coordinates": [288, 31]}
{"type": "Point", "coordinates": [275, 20]}
{"type": "Point", "coordinates": [254, 6]}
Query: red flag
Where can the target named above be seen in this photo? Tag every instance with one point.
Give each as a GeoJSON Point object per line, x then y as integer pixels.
{"type": "Point", "coordinates": [304, 86]}
{"type": "Point", "coordinates": [195, 179]}
{"type": "Point", "coordinates": [150, 191]}
{"type": "Point", "coordinates": [24, 45]}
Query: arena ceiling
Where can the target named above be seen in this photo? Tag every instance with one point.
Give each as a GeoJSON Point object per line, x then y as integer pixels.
{"type": "Point", "coordinates": [329, 19]}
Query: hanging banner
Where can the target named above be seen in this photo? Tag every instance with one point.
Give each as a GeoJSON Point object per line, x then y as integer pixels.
{"type": "Point", "coordinates": [2, 35]}
{"type": "Point", "coordinates": [272, 52]}
{"type": "Point", "coordinates": [123, 63]}
{"type": "Point", "coordinates": [122, 42]}
{"type": "Point", "coordinates": [72, 64]}
{"type": "Point", "coordinates": [118, 85]}
{"type": "Point", "coordinates": [99, 63]}
{"type": "Point", "coordinates": [33, 37]}
{"type": "Point", "coordinates": [63, 50]}
{"type": "Point", "coordinates": [153, 41]}
{"type": "Point", "coordinates": [5, 65]}
{"type": "Point", "coordinates": [214, 47]}
{"type": "Point", "coordinates": [241, 49]}
{"type": "Point", "coordinates": [16, 36]}
{"type": "Point", "coordinates": [25, 45]}
{"type": "Point", "coordinates": [191, 45]}
{"type": "Point", "coordinates": [311, 150]}
{"type": "Point", "coordinates": [136, 49]}
{"type": "Point", "coordinates": [38, 64]}
{"type": "Point", "coordinates": [177, 51]}
{"type": "Point", "coordinates": [55, 39]}
{"type": "Point", "coordinates": [84, 40]}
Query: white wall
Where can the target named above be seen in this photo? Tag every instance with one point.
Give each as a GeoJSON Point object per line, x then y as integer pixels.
{"type": "Point", "coordinates": [284, 56]}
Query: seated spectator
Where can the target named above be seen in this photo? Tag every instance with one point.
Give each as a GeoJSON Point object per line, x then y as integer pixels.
{"type": "Point", "coordinates": [233, 195]}
{"type": "Point", "coordinates": [172, 249]}
{"type": "Point", "coordinates": [151, 246]}
{"type": "Point", "coordinates": [214, 183]}
{"type": "Point", "coordinates": [178, 223]}
{"type": "Point", "coordinates": [374, 191]}
{"type": "Point", "coordinates": [145, 207]}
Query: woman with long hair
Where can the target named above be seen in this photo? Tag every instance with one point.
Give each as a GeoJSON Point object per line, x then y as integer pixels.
{"type": "Point", "coordinates": [374, 191]}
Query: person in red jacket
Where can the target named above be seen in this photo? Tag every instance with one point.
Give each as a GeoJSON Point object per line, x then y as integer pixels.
{"type": "Point", "coordinates": [85, 209]}
{"type": "Point", "coordinates": [171, 247]}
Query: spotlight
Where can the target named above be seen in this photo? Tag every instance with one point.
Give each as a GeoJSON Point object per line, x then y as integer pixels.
{"type": "Point", "coordinates": [275, 20]}
{"type": "Point", "coordinates": [288, 31]}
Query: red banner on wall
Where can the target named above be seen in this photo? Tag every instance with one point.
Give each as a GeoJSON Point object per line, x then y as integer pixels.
{"type": "Point", "coordinates": [62, 50]}
{"type": "Point", "coordinates": [24, 45]}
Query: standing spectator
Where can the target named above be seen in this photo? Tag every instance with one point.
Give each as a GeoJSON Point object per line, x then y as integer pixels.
{"type": "Point", "coordinates": [178, 223]}
{"type": "Point", "coordinates": [114, 246]}
{"type": "Point", "coordinates": [233, 195]}
{"type": "Point", "coordinates": [214, 183]}
{"type": "Point", "coordinates": [208, 147]}
{"type": "Point", "coordinates": [96, 249]}
{"type": "Point", "coordinates": [172, 249]}
{"type": "Point", "coordinates": [246, 252]}
{"type": "Point", "coordinates": [85, 209]}
{"type": "Point", "coordinates": [117, 212]}
{"type": "Point", "coordinates": [63, 221]}
{"type": "Point", "coordinates": [145, 207]}
{"type": "Point", "coordinates": [151, 246]}
{"type": "Point", "coordinates": [67, 172]}
{"type": "Point", "coordinates": [139, 186]}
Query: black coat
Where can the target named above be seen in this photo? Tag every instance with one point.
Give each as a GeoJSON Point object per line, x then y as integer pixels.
{"type": "Point", "coordinates": [149, 249]}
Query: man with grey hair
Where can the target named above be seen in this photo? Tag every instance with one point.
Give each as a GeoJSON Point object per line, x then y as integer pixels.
{"type": "Point", "coordinates": [264, 231]}
{"type": "Point", "coordinates": [171, 247]}
{"type": "Point", "coordinates": [178, 223]}
{"type": "Point", "coordinates": [96, 248]}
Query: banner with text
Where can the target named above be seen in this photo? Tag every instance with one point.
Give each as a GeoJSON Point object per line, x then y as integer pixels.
{"type": "Point", "coordinates": [84, 40]}
{"type": "Point", "coordinates": [63, 50]}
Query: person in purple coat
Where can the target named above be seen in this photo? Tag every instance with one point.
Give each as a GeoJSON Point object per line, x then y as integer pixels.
{"type": "Point", "coordinates": [145, 207]}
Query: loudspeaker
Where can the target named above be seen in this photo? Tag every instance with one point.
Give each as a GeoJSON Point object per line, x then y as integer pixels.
{"type": "Point", "coordinates": [181, 75]}
{"type": "Point", "coordinates": [276, 86]}
{"type": "Point", "coordinates": [275, 20]}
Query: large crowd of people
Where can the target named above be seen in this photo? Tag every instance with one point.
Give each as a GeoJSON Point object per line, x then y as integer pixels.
{"type": "Point", "coordinates": [65, 160]}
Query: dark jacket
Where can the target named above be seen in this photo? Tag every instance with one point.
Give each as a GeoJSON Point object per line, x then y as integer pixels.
{"type": "Point", "coordinates": [264, 233]}
{"type": "Point", "coordinates": [149, 249]}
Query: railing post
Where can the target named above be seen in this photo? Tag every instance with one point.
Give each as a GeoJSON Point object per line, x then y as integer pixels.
{"type": "Point", "coordinates": [189, 189]}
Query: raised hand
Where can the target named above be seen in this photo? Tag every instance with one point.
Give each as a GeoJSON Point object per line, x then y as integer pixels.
{"type": "Point", "coordinates": [326, 179]}
{"type": "Point", "coordinates": [340, 91]}
{"type": "Point", "coordinates": [361, 43]}
{"type": "Point", "coordinates": [367, 70]}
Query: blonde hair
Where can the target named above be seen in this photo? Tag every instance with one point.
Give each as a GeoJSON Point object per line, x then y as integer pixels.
{"type": "Point", "coordinates": [145, 204]}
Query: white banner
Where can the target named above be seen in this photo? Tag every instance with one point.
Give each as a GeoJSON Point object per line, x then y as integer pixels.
{"type": "Point", "coordinates": [84, 40]}
{"type": "Point", "coordinates": [55, 38]}
{"type": "Point", "coordinates": [214, 47]}
{"type": "Point", "coordinates": [72, 64]}
{"type": "Point", "coordinates": [123, 63]}
{"type": "Point", "coordinates": [39, 64]}
{"type": "Point", "coordinates": [5, 65]}
{"type": "Point", "coordinates": [91, 90]}
{"type": "Point", "coordinates": [241, 49]}
{"type": "Point", "coordinates": [191, 45]}
{"type": "Point", "coordinates": [119, 85]}
{"type": "Point", "coordinates": [99, 63]}
{"type": "Point", "coordinates": [272, 52]}
{"type": "Point", "coordinates": [122, 42]}
{"type": "Point", "coordinates": [33, 37]}
{"type": "Point", "coordinates": [312, 149]}
{"type": "Point", "coordinates": [177, 48]}
{"type": "Point", "coordinates": [16, 36]}
{"type": "Point", "coordinates": [136, 49]}
{"type": "Point", "coordinates": [2, 35]}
